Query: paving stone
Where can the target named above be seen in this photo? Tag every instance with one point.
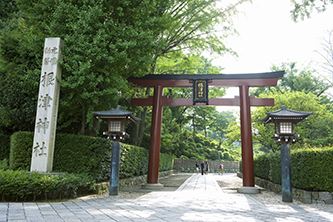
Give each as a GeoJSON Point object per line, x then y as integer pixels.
{"type": "Point", "coordinates": [199, 198]}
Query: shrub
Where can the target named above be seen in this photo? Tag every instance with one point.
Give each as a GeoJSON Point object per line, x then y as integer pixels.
{"type": "Point", "coordinates": [82, 154]}
{"type": "Point", "coordinates": [21, 150]}
{"type": "Point", "coordinates": [311, 169]}
{"type": "Point", "coordinates": [134, 161]}
{"type": "Point", "coordinates": [226, 156]}
{"type": "Point", "coordinates": [85, 155]}
{"type": "Point", "coordinates": [4, 164]}
{"type": "Point", "coordinates": [27, 186]}
{"type": "Point", "coordinates": [4, 146]}
{"type": "Point", "coordinates": [261, 167]}
{"type": "Point", "coordinates": [166, 162]}
{"type": "Point", "coordinates": [206, 143]}
{"type": "Point", "coordinates": [214, 155]}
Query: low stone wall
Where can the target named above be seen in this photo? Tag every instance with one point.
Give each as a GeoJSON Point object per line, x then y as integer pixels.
{"type": "Point", "coordinates": [304, 196]}
{"type": "Point", "coordinates": [188, 166]}
{"type": "Point", "coordinates": [100, 188]}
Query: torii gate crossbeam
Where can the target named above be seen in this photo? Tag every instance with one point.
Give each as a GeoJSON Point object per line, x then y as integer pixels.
{"type": "Point", "coordinates": [243, 81]}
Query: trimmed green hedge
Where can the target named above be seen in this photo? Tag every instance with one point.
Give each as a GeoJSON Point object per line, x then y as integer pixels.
{"type": "Point", "coordinates": [311, 169]}
{"type": "Point", "coordinates": [4, 146]}
{"type": "Point", "coordinates": [21, 150]}
{"type": "Point", "coordinates": [84, 154]}
{"type": "Point", "coordinates": [72, 154]}
{"type": "Point", "coordinates": [31, 186]}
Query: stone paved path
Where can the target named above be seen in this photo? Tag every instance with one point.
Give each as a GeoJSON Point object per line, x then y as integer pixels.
{"type": "Point", "coordinates": [198, 199]}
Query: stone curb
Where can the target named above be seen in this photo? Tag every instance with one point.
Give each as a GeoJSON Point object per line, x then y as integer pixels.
{"type": "Point", "coordinates": [100, 188]}
{"type": "Point", "coordinates": [304, 196]}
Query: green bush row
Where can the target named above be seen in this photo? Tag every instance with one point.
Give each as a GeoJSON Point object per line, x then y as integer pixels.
{"type": "Point", "coordinates": [72, 154]}
{"type": "Point", "coordinates": [4, 146]}
{"type": "Point", "coordinates": [84, 154]}
{"type": "Point", "coordinates": [311, 169]}
{"type": "Point", "coordinates": [31, 186]}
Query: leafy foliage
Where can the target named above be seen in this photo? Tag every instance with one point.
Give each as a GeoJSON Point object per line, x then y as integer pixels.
{"type": "Point", "coordinates": [84, 155]}
{"type": "Point", "coordinates": [4, 146]}
{"type": "Point", "coordinates": [104, 45]}
{"type": "Point", "coordinates": [19, 75]}
{"type": "Point", "coordinates": [26, 186]}
{"type": "Point", "coordinates": [20, 150]}
{"type": "Point", "coordinates": [297, 79]}
{"type": "Point", "coordinates": [304, 8]}
{"type": "Point", "coordinates": [311, 169]}
{"type": "Point", "coordinates": [317, 126]}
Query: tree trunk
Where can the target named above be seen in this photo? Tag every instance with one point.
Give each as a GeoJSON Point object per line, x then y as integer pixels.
{"type": "Point", "coordinates": [97, 126]}
{"type": "Point", "coordinates": [137, 131]}
{"type": "Point", "coordinates": [142, 126]}
{"type": "Point", "coordinates": [220, 142]}
{"type": "Point", "coordinates": [134, 135]}
{"type": "Point", "coordinates": [83, 118]}
{"type": "Point", "coordinates": [193, 128]}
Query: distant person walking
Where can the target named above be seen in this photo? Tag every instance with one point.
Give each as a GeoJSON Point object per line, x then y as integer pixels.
{"type": "Point", "coordinates": [197, 167]}
{"type": "Point", "coordinates": [221, 169]}
{"type": "Point", "coordinates": [207, 167]}
{"type": "Point", "coordinates": [202, 168]}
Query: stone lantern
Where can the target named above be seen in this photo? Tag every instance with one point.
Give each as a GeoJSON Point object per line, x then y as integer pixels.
{"type": "Point", "coordinates": [116, 119]}
{"type": "Point", "coordinates": [284, 120]}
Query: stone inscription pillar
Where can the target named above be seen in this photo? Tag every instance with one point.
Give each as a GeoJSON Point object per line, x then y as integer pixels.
{"type": "Point", "coordinates": [47, 107]}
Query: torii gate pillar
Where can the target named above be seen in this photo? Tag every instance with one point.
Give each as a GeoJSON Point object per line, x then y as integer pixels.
{"type": "Point", "coordinates": [243, 81]}
{"type": "Point", "coordinates": [246, 138]}
{"type": "Point", "coordinates": [155, 141]}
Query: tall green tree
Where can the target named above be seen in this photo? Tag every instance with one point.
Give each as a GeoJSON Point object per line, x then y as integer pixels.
{"type": "Point", "coordinates": [192, 26]}
{"type": "Point", "coordinates": [106, 43]}
{"type": "Point", "coordinates": [19, 74]}
{"type": "Point", "coordinates": [300, 90]}
{"type": "Point", "coordinates": [317, 126]}
{"type": "Point", "coordinates": [296, 79]}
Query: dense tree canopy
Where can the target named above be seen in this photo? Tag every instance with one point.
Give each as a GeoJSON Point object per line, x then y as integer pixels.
{"type": "Point", "coordinates": [104, 44]}
{"type": "Point", "coordinates": [297, 79]}
{"type": "Point", "coordinates": [300, 90]}
{"type": "Point", "coordinates": [318, 126]}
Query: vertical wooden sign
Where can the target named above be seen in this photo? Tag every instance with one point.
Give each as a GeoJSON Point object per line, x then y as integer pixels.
{"type": "Point", "coordinates": [200, 91]}
{"type": "Point", "coordinates": [47, 107]}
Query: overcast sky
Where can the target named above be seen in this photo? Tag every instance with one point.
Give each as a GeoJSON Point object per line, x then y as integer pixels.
{"type": "Point", "coordinates": [267, 36]}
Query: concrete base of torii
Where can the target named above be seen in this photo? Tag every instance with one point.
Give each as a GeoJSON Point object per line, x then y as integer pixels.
{"type": "Point", "coordinates": [152, 186]}
{"type": "Point", "coordinates": [248, 190]}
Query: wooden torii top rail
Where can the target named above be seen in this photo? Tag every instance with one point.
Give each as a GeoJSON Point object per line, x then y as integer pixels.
{"type": "Point", "coordinates": [218, 80]}
{"type": "Point", "coordinates": [227, 80]}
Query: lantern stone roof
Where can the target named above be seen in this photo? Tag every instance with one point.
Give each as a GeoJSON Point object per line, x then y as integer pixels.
{"type": "Point", "coordinates": [117, 113]}
{"type": "Point", "coordinates": [285, 114]}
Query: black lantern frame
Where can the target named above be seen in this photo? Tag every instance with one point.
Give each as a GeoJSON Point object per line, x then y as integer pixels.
{"type": "Point", "coordinates": [116, 119]}
{"type": "Point", "coordinates": [284, 120]}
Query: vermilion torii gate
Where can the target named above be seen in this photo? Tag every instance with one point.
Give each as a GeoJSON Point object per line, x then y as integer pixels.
{"type": "Point", "coordinates": [243, 81]}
